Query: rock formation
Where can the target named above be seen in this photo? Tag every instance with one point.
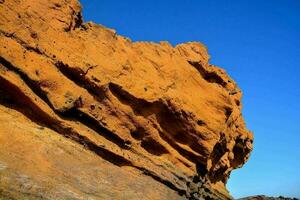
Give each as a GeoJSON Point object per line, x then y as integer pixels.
{"type": "Point", "coordinates": [88, 114]}
{"type": "Point", "coordinates": [263, 197]}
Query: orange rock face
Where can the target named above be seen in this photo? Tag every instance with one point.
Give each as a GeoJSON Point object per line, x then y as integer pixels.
{"type": "Point", "coordinates": [86, 113]}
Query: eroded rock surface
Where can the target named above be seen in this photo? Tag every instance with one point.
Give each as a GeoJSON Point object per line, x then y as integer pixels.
{"type": "Point", "coordinates": [86, 113]}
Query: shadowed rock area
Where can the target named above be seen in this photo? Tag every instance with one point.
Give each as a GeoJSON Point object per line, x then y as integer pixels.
{"type": "Point", "coordinates": [88, 114]}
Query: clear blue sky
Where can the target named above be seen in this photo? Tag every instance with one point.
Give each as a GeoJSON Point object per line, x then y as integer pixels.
{"type": "Point", "coordinates": [258, 43]}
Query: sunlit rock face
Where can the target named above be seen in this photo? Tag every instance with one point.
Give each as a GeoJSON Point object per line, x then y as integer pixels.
{"type": "Point", "coordinates": [86, 113]}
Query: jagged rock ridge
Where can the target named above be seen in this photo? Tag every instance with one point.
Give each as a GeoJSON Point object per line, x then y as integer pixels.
{"type": "Point", "coordinates": [159, 113]}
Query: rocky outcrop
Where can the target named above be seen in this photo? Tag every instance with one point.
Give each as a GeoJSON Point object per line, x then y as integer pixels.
{"type": "Point", "coordinates": [86, 113]}
{"type": "Point", "coordinates": [263, 197]}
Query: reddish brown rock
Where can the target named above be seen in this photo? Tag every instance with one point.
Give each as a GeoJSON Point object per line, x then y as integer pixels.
{"type": "Point", "coordinates": [133, 115]}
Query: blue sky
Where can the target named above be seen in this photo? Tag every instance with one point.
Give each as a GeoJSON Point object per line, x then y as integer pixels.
{"type": "Point", "coordinates": [258, 43]}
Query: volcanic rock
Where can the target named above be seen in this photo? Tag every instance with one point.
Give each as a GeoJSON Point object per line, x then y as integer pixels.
{"type": "Point", "coordinates": [88, 114]}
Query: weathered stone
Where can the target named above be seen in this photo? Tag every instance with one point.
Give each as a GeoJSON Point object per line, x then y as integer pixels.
{"type": "Point", "coordinates": [157, 114]}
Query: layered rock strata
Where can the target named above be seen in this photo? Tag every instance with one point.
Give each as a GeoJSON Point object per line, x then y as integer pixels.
{"type": "Point", "coordinates": [86, 113]}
